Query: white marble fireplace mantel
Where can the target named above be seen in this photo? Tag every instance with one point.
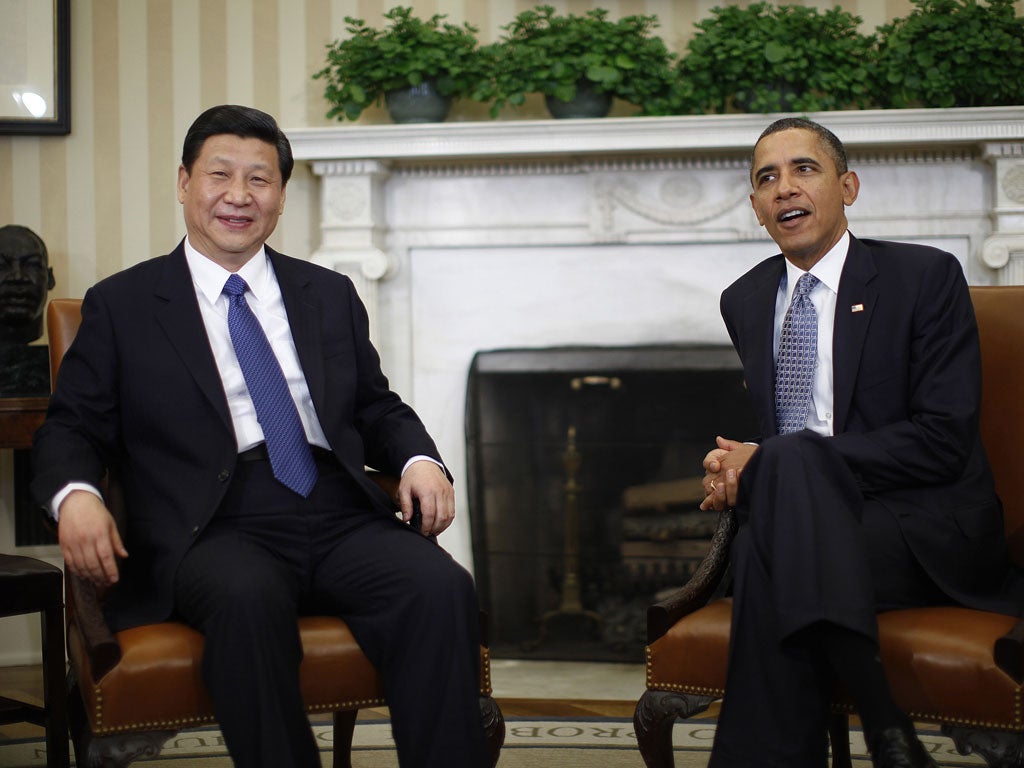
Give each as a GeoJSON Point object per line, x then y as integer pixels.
{"type": "Point", "coordinates": [480, 235]}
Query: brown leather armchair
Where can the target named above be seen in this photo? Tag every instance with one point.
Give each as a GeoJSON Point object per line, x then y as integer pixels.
{"type": "Point", "coordinates": [131, 691]}
{"type": "Point", "coordinates": [960, 668]}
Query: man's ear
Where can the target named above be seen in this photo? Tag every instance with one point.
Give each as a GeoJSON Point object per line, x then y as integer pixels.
{"type": "Point", "coordinates": [50, 282]}
{"type": "Point", "coordinates": [851, 187]}
{"type": "Point", "coordinates": [182, 183]}
{"type": "Point", "coordinates": [757, 213]}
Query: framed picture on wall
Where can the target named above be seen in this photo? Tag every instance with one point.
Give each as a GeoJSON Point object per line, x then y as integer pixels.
{"type": "Point", "coordinates": [35, 66]}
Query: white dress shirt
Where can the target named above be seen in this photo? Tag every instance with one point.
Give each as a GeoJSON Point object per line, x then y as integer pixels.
{"type": "Point", "coordinates": [264, 299]}
{"type": "Point", "coordinates": [823, 296]}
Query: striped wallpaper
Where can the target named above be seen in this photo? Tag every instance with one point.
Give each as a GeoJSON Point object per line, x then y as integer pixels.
{"type": "Point", "coordinates": [103, 197]}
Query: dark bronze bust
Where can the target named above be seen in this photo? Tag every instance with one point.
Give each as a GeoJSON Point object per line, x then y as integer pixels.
{"type": "Point", "coordinates": [25, 279]}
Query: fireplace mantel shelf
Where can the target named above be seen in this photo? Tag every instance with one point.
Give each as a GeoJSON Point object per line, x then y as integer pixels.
{"type": "Point", "coordinates": [667, 135]}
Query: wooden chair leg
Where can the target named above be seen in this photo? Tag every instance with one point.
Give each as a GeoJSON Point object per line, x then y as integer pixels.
{"type": "Point", "coordinates": [494, 728]}
{"type": "Point", "coordinates": [54, 673]}
{"type": "Point", "coordinates": [999, 749]}
{"type": "Point", "coordinates": [656, 713]}
{"type": "Point", "coordinates": [839, 738]}
{"type": "Point", "coordinates": [113, 751]}
{"type": "Point", "coordinates": [344, 728]}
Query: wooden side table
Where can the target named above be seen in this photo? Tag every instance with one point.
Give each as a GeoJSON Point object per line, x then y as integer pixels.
{"type": "Point", "coordinates": [19, 418]}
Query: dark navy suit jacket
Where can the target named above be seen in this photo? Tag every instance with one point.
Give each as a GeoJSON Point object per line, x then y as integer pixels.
{"type": "Point", "coordinates": [139, 393]}
{"type": "Point", "coordinates": [907, 391]}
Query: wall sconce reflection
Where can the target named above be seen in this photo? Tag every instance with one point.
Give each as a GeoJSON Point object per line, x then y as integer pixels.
{"type": "Point", "coordinates": [33, 102]}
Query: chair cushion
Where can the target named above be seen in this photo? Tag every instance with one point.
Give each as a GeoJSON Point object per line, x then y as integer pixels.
{"type": "Point", "coordinates": [28, 585]}
{"type": "Point", "coordinates": [939, 662]}
{"type": "Point", "coordinates": [941, 668]}
{"type": "Point", "coordinates": [157, 685]}
{"type": "Point", "coordinates": [692, 656]}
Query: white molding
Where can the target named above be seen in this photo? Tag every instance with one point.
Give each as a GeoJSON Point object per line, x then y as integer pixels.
{"type": "Point", "coordinates": [694, 133]}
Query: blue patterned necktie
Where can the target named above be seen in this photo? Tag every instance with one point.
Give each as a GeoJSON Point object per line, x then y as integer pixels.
{"type": "Point", "coordinates": [798, 349]}
{"type": "Point", "coordinates": [290, 457]}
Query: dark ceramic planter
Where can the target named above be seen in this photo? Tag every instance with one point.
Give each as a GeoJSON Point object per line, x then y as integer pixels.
{"type": "Point", "coordinates": [417, 104]}
{"type": "Point", "coordinates": [587, 103]}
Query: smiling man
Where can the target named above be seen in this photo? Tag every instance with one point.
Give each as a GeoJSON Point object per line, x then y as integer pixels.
{"type": "Point", "coordinates": [868, 489]}
{"type": "Point", "coordinates": [236, 393]}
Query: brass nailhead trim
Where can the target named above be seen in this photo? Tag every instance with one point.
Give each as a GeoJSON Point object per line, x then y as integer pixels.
{"type": "Point", "coordinates": [1016, 725]}
{"type": "Point", "coordinates": [486, 688]}
{"type": "Point", "coordinates": [339, 706]}
{"type": "Point", "coordinates": [343, 706]}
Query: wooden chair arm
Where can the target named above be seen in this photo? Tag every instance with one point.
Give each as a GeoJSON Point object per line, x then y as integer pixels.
{"type": "Point", "coordinates": [98, 642]}
{"type": "Point", "coordinates": [1009, 652]}
{"type": "Point", "coordinates": [387, 483]}
{"type": "Point", "coordinates": [85, 599]}
{"type": "Point", "coordinates": [701, 586]}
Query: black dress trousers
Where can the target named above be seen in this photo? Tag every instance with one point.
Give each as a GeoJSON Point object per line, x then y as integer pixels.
{"type": "Point", "coordinates": [810, 548]}
{"type": "Point", "coordinates": [269, 556]}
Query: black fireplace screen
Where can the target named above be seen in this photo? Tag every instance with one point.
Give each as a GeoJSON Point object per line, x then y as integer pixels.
{"type": "Point", "coordinates": [584, 484]}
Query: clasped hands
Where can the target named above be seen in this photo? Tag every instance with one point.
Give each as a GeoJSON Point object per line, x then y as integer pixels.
{"type": "Point", "coordinates": [723, 466]}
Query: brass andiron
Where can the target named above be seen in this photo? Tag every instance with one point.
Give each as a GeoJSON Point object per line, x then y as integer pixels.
{"type": "Point", "coordinates": [571, 604]}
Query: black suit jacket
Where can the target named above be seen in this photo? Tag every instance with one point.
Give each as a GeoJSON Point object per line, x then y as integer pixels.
{"type": "Point", "coordinates": [139, 394]}
{"type": "Point", "coordinates": [907, 391]}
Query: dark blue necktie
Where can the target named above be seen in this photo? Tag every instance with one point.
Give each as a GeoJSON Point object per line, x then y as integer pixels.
{"type": "Point", "coordinates": [290, 457]}
{"type": "Point", "coordinates": [798, 349]}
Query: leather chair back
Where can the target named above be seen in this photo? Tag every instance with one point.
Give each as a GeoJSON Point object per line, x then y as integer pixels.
{"type": "Point", "coordinates": [63, 317]}
{"type": "Point", "coordinates": [1000, 313]}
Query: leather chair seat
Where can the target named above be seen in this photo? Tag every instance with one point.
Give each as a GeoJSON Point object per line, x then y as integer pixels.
{"type": "Point", "coordinates": [934, 657]}
{"type": "Point", "coordinates": [940, 660]}
{"type": "Point", "coordinates": [692, 656]}
{"type": "Point", "coordinates": [159, 657]}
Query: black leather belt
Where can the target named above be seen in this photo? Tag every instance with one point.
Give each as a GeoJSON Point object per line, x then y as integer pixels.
{"type": "Point", "coordinates": [259, 453]}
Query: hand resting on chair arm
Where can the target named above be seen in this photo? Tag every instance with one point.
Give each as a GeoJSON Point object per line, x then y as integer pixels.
{"type": "Point", "coordinates": [89, 539]}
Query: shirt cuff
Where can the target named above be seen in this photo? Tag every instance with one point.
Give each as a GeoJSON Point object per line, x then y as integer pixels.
{"type": "Point", "coordinates": [414, 459]}
{"type": "Point", "coordinates": [63, 493]}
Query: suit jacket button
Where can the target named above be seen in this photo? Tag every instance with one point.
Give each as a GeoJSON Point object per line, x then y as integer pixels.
{"type": "Point", "coordinates": [195, 530]}
{"type": "Point", "coordinates": [224, 475]}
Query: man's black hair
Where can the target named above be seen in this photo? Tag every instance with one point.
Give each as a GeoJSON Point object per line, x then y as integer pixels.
{"type": "Point", "coordinates": [829, 140]}
{"type": "Point", "coordinates": [245, 122]}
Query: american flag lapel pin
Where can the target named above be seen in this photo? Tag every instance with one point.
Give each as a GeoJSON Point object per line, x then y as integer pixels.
{"type": "Point", "coordinates": [857, 308]}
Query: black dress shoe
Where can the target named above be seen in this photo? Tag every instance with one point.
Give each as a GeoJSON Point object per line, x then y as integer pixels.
{"type": "Point", "coordinates": [899, 748]}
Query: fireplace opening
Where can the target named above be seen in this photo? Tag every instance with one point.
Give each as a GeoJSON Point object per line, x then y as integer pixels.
{"type": "Point", "coordinates": [584, 486]}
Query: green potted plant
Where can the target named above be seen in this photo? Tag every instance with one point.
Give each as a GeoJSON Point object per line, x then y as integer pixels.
{"type": "Point", "coordinates": [953, 53]}
{"type": "Point", "coordinates": [410, 58]}
{"type": "Point", "coordinates": [571, 57]}
{"type": "Point", "coordinates": [766, 58]}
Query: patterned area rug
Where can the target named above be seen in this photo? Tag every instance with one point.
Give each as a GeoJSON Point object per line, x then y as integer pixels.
{"type": "Point", "coordinates": [529, 743]}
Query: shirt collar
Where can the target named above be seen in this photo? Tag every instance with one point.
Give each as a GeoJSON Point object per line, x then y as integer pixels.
{"type": "Point", "coordinates": [209, 277]}
{"type": "Point", "coordinates": [829, 267]}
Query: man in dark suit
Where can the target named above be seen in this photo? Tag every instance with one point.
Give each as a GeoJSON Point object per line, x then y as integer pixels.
{"type": "Point", "coordinates": [870, 489]}
{"type": "Point", "coordinates": [247, 501]}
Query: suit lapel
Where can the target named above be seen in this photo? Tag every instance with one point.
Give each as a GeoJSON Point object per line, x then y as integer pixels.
{"type": "Point", "coordinates": [759, 327]}
{"type": "Point", "coordinates": [304, 315]}
{"type": "Point", "coordinates": [181, 320]}
{"type": "Point", "coordinates": [855, 304]}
